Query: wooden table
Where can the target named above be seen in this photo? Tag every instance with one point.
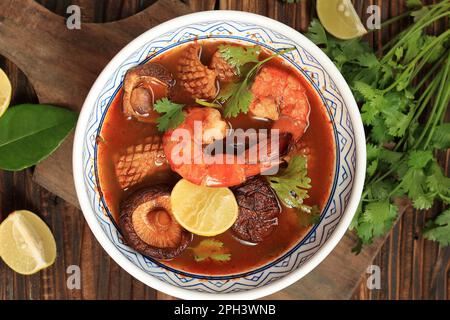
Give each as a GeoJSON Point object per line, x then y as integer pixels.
{"type": "Point", "coordinates": [411, 267]}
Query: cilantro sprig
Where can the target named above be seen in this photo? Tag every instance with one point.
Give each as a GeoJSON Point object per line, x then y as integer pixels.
{"type": "Point", "coordinates": [292, 184]}
{"type": "Point", "coordinates": [410, 77]}
{"type": "Point", "coordinates": [172, 112]}
{"type": "Point", "coordinates": [238, 95]}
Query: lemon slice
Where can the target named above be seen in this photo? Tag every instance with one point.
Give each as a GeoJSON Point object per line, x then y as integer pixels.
{"type": "Point", "coordinates": [5, 92]}
{"type": "Point", "coordinates": [26, 243]}
{"type": "Point", "coordinates": [340, 19]}
{"type": "Point", "coordinates": [203, 210]}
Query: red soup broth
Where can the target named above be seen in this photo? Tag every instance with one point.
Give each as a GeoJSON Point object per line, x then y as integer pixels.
{"type": "Point", "coordinates": [119, 132]}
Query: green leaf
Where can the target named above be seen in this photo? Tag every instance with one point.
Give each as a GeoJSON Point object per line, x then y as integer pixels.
{"type": "Point", "coordinates": [414, 180]}
{"type": "Point", "coordinates": [396, 122]}
{"type": "Point", "coordinates": [239, 101]}
{"type": "Point", "coordinates": [316, 33]}
{"type": "Point", "coordinates": [441, 137]}
{"type": "Point", "coordinates": [439, 229]}
{"type": "Point", "coordinates": [173, 114]}
{"type": "Point", "coordinates": [419, 159]}
{"type": "Point", "coordinates": [227, 91]}
{"type": "Point", "coordinates": [31, 132]}
{"type": "Point", "coordinates": [238, 56]}
{"type": "Point", "coordinates": [438, 183]}
{"type": "Point", "coordinates": [376, 219]}
{"type": "Point", "coordinates": [211, 249]}
{"type": "Point", "coordinates": [292, 184]}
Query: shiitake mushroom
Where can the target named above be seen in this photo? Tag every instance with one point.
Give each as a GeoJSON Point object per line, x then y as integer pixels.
{"type": "Point", "coordinates": [258, 210]}
{"type": "Point", "coordinates": [143, 86]}
{"type": "Point", "coordinates": [148, 225]}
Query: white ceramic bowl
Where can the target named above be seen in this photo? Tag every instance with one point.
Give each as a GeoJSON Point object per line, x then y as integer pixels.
{"type": "Point", "coordinates": [349, 140]}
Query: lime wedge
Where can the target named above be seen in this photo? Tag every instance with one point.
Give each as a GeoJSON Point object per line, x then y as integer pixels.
{"type": "Point", "coordinates": [5, 92]}
{"type": "Point", "coordinates": [340, 19]}
{"type": "Point", "coordinates": [26, 243]}
{"type": "Point", "coordinates": [205, 211]}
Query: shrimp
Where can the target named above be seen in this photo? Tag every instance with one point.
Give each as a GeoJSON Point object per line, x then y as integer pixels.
{"type": "Point", "coordinates": [278, 96]}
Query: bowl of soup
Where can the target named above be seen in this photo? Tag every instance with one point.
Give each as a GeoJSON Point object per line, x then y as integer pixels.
{"type": "Point", "coordinates": [219, 155]}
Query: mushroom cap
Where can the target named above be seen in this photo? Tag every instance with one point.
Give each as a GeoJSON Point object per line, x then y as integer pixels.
{"type": "Point", "coordinates": [148, 225]}
{"type": "Point", "coordinates": [258, 210]}
{"type": "Point", "coordinates": [143, 85]}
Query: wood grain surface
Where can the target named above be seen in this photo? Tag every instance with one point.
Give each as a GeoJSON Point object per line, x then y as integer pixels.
{"type": "Point", "coordinates": [411, 267]}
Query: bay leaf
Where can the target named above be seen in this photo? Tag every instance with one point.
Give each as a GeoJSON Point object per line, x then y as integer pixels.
{"type": "Point", "coordinates": [31, 132]}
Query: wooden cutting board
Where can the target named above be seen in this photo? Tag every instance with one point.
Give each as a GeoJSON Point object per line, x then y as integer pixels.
{"type": "Point", "coordinates": [62, 64]}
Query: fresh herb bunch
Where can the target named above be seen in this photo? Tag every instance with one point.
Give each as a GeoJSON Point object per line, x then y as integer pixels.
{"type": "Point", "coordinates": [411, 76]}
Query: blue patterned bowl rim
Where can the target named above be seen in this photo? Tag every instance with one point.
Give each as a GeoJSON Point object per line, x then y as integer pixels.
{"type": "Point", "coordinates": [353, 120]}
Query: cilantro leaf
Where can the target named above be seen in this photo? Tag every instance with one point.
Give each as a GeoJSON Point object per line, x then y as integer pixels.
{"type": "Point", "coordinates": [211, 249]}
{"type": "Point", "coordinates": [376, 219]}
{"type": "Point", "coordinates": [238, 56]}
{"type": "Point", "coordinates": [239, 102]}
{"type": "Point", "coordinates": [316, 33]}
{"type": "Point", "coordinates": [414, 180]}
{"type": "Point", "coordinates": [441, 136]}
{"type": "Point", "coordinates": [418, 159]}
{"type": "Point", "coordinates": [292, 184]}
{"type": "Point", "coordinates": [439, 229]}
{"type": "Point", "coordinates": [173, 114]}
{"type": "Point", "coordinates": [438, 183]}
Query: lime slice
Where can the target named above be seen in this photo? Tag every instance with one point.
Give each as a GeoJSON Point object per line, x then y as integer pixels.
{"type": "Point", "coordinates": [5, 92]}
{"type": "Point", "coordinates": [203, 210]}
{"type": "Point", "coordinates": [340, 19]}
{"type": "Point", "coordinates": [26, 243]}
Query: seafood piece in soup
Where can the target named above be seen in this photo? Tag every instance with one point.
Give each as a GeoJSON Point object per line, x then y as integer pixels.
{"type": "Point", "coordinates": [224, 70]}
{"type": "Point", "coordinates": [143, 85]}
{"type": "Point", "coordinates": [195, 78]}
{"type": "Point", "coordinates": [140, 161]}
{"type": "Point", "coordinates": [280, 96]}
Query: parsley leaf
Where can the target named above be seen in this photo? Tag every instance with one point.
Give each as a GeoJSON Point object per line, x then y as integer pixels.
{"type": "Point", "coordinates": [238, 56]}
{"type": "Point", "coordinates": [210, 249]}
{"type": "Point", "coordinates": [439, 229]}
{"type": "Point", "coordinates": [173, 114]}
